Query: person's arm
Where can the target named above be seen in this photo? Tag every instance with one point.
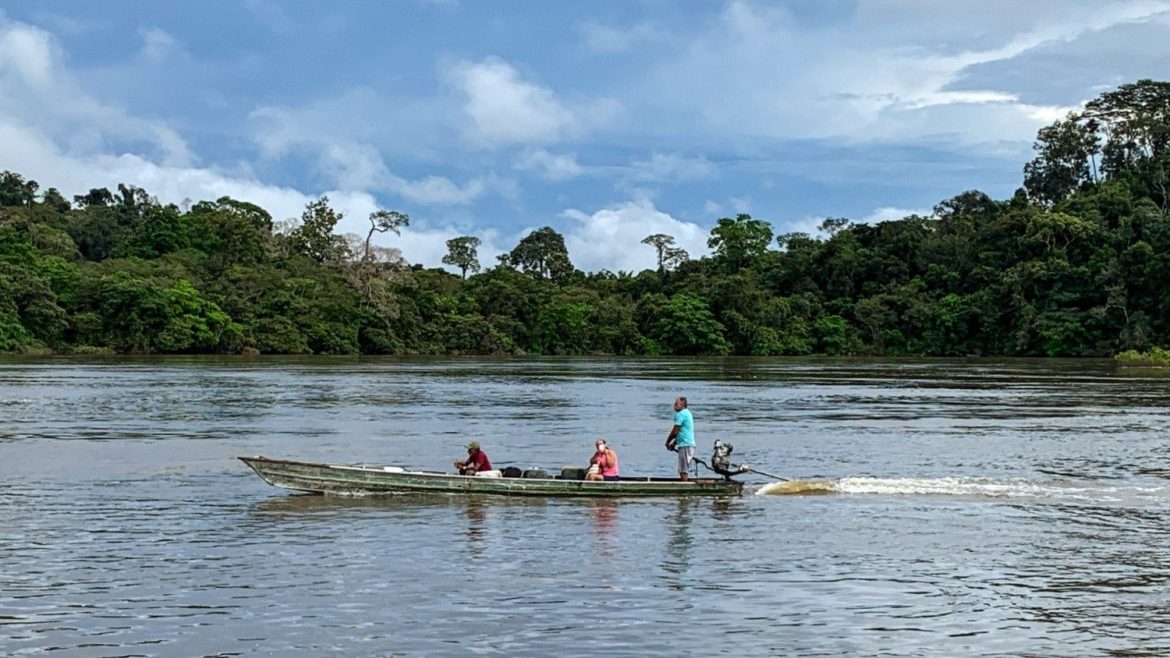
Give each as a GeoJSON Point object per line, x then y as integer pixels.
{"type": "Point", "coordinates": [482, 463]}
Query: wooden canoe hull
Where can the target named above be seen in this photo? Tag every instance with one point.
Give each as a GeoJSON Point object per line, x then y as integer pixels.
{"type": "Point", "coordinates": [376, 480]}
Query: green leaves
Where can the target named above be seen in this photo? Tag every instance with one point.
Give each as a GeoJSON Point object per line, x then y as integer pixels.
{"type": "Point", "coordinates": [739, 241]}
{"type": "Point", "coordinates": [314, 238]}
{"type": "Point", "coordinates": [462, 252]}
{"type": "Point", "coordinates": [1074, 264]}
{"type": "Point", "coordinates": [687, 326]}
{"type": "Point", "coordinates": [543, 254]}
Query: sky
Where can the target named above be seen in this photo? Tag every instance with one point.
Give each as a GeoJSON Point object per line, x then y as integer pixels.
{"type": "Point", "coordinates": [607, 120]}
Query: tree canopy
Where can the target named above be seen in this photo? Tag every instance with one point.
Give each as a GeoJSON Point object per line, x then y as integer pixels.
{"type": "Point", "coordinates": [1073, 264]}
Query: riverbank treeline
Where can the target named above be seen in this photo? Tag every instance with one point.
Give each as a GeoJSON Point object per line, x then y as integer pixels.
{"type": "Point", "coordinates": [1076, 263]}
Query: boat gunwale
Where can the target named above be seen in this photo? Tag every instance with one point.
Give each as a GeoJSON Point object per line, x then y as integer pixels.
{"type": "Point", "coordinates": [632, 486]}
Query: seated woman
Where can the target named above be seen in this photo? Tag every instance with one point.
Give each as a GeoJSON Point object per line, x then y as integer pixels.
{"type": "Point", "coordinates": [603, 465]}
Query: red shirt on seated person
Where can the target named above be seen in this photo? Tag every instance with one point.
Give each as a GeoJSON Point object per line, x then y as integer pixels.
{"type": "Point", "coordinates": [477, 461]}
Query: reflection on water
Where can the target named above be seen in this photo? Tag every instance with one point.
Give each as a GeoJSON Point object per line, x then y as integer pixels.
{"type": "Point", "coordinates": [968, 508]}
{"type": "Point", "coordinates": [679, 544]}
{"type": "Point", "coordinates": [476, 512]}
{"type": "Point", "coordinates": [604, 526]}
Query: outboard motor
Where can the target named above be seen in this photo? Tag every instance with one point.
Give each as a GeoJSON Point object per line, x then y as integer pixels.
{"type": "Point", "coordinates": [721, 460]}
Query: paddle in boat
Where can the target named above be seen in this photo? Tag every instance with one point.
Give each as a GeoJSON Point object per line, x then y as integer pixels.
{"type": "Point", "coordinates": [364, 479]}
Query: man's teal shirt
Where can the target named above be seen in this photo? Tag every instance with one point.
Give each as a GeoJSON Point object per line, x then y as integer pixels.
{"type": "Point", "coordinates": [686, 429]}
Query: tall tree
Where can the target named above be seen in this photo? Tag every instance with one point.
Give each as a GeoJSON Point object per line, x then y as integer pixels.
{"type": "Point", "coordinates": [1064, 160]}
{"type": "Point", "coordinates": [230, 232]}
{"type": "Point", "coordinates": [661, 243]}
{"type": "Point", "coordinates": [739, 241]}
{"type": "Point", "coordinates": [314, 237]}
{"type": "Point", "coordinates": [1135, 121]}
{"type": "Point", "coordinates": [98, 196]}
{"type": "Point", "coordinates": [674, 257]}
{"type": "Point", "coordinates": [382, 221]}
{"type": "Point", "coordinates": [16, 191]}
{"type": "Point", "coordinates": [543, 253]}
{"type": "Point", "coordinates": [463, 252]}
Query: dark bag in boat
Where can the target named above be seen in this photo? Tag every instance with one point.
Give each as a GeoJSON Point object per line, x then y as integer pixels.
{"type": "Point", "coordinates": [571, 473]}
{"type": "Point", "coordinates": [511, 472]}
{"type": "Point", "coordinates": [538, 473]}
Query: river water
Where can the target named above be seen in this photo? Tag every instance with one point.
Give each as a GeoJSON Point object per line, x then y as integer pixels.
{"type": "Point", "coordinates": [942, 508]}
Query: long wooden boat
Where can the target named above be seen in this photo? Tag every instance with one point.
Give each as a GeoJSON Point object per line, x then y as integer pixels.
{"type": "Point", "coordinates": [358, 480]}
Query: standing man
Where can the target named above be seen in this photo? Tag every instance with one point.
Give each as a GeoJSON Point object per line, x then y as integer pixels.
{"type": "Point", "coordinates": [682, 437]}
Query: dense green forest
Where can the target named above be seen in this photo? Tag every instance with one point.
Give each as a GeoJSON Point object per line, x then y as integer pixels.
{"type": "Point", "coordinates": [1076, 263]}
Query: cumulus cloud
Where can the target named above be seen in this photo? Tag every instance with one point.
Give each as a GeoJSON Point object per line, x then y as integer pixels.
{"type": "Point", "coordinates": [890, 214]}
{"type": "Point", "coordinates": [38, 158]}
{"type": "Point", "coordinates": [918, 76]}
{"type": "Point", "coordinates": [37, 91]}
{"type": "Point", "coordinates": [812, 225]}
{"type": "Point", "coordinates": [611, 238]}
{"type": "Point", "coordinates": [28, 54]}
{"type": "Point", "coordinates": [504, 108]}
{"type": "Point", "coordinates": [550, 166]}
{"type": "Point", "coordinates": [37, 95]}
{"type": "Point", "coordinates": [159, 44]}
{"type": "Point", "coordinates": [889, 71]}
{"type": "Point", "coordinates": [350, 163]}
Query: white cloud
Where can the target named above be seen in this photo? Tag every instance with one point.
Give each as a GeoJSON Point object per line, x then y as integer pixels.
{"type": "Point", "coordinates": [740, 203]}
{"type": "Point", "coordinates": [428, 246]}
{"type": "Point", "coordinates": [807, 225]}
{"type": "Point", "coordinates": [28, 53]}
{"type": "Point", "coordinates": [811, 225]}
{"type": "Point", "coordinates": [438, 190]}
{"type": "Point", "coordinates": [352, 164]}
{"type": "Point", "coordinates": [37, 94]}
{"type": "Point", "coordinates": [37, 158]}
{"type": "Point", "coordinates": [663, 167]}
{"type": "Point", "coordinates": [890, 214]}
{"type": "Point", "coordinates": [158, 44]}
{"type": "Point", "coordinates": [888, 71]}
{"type": "Point", "coordinates": [414, 129]}
{"type": "Point", "coordinates": [36, 91]}
{"type": "Point", "coordinates": [550, 166]}
{"type": "Point", "coordinates": [611, 238]}
{"type": "Point", "coordinates": [506, 109]}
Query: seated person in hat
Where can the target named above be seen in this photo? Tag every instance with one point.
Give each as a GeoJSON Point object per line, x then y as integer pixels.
{"type": "Point", "coordinates": [477, 461]}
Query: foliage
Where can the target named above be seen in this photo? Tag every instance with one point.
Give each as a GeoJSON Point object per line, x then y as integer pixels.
{"type": "Point", "coordinates": [543, 254]}
{"type": "Point", "coordinates": [314, 238]}
{"type": "Point", "coordinates": [669, 256]}
{"type": "Point", "coordinates": [1157, 357]}
{"type": "Point", "coordinates": [1074, 264]}
{"type": "Point", "coordinates": [463, 252]}
{"type": "Point", "coordinates": [739, 241]}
